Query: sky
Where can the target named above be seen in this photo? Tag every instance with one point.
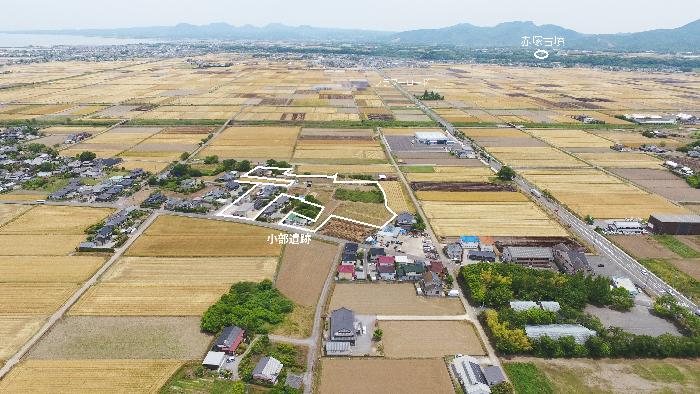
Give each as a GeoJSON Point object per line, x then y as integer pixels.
{"type": "Point", "coordinates": [586, 16]}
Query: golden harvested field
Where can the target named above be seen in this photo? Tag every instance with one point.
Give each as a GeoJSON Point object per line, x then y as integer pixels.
{"type": "Point", "coordinates": [29, 298]}
{"type": "Point", "coordinates": [253, 143]}
{"type": "Point", "coordinates": [621, 160]}
{"type": "Point", "coordinates": [570, 138]}
{"type": "Point", "coordinates": [493, 219]}
{"type": "Point", "coordinates": [23, 195]}
{"type": "Point", "coordinates": [345, 169]}
{"type": "Point", "coordinates": [391, 299]}
{"type": "Point", "coordinates": [172, 236]}
{"type": "Point", "coordinates": [48, 269]}
{"type": "Point", "coordinates": [372, 213]}
{"type": "Point", "coordinates": [195, 271]}
{"type": "Point", "coordinates": [56, 220]}
{"type": "Point", "coordinates": [377, 375]}
{"type": "Point", "coordinates": [15, 330]}
{"type": "Point", "coordinates": [322, 149]}
{"type": "Point", "coordinates": [126, 299]}
{"type": "Point", "coordinates": [89, 376]}
{"type": "Point", "coordinates": [396, 197]}
{"type": "Point", "coordinates": [453, 174]}
{"type": "Point", "coordinates": [10, 211]}
{"type": "Point", "coordinates": [592, 192]}
{"type": "Point", "coordinates": [429, 339]}
{"type": "Point", "coordinates": [38, 245]}
{"type": "Point", "coordinates": [633, 139]}
{"type": "Point", "coordinates": [65, 130]}
{"type": "Point", "coordinates": [471, 196]}
{"type": "Point", "coordinates": [304, 269]}
{"type": "Point", "coordinates": [534, 157]}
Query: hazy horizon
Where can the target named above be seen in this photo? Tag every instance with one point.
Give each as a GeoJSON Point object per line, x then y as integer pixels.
{"type": "Point", "coordinates": [593, 16]}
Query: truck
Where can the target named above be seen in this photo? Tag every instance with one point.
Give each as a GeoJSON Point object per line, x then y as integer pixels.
{"type": "Point", "coordinates": [536, 193]}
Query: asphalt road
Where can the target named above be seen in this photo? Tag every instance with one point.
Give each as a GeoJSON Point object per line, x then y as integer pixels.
{"type": "Point", "coordinates": [640, 275]}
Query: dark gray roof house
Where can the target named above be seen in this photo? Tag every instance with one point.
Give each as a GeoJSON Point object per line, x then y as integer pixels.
{"type": "Point", "coordinates": [343, 326]}
{"type": "Point", "coordinates": [570, 261]}
{"type": "Point", "coordinates": [454, 251]}
{"type": "Point", "coordinates": [229, 339]}
{"type": "Point", "coordinates": [405, 219]}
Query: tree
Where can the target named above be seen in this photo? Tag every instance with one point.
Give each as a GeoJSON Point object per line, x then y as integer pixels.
{"type": "Point", "coordinates": [184, 156]}
{"type": "Point", "coordinates": [589, 219]}
{"type": "Point", "coordinates": [621, 299]}
{"type": "Point", "coordinates": [211, 159]}
{"type": "Point", "coordinates": [377, 335]}
{"type": "Point", "coordinates": [503, 388]}
{"type": "Point", "coordinates": [243, 166]}
{"type": "Point", "coordinates": [179, 170]}
{"type": "Point", "coordinates": [506, 174]}
{"type": "Point", "coordinates": [87, 156]}
{"type": "Point", "coordinates": [598, 347]}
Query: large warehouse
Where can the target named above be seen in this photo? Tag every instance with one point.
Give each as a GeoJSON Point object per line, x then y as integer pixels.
{"type": "Point", "coordinates": [432, 138]}
{"type": "Point", "coordinates": [675, 224]}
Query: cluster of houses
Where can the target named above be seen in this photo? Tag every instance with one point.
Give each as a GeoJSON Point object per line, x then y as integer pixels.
{"type": "Point", "coordinates": [585, 119]}
{"type": "Point", "coordinates": [106, 236]}
{"type": "Point", "coordinates": [107, 190]}
{"type": "Point", "coordinates": [472, 248]}
{"type": "Point", "coordinates": [681, 170]}
{"type": "Point", "coordinates": [255, 201]}
{"type": "Point", "coordinates": [75, 138]}
{"type": "Point", "coordinates": [483, 249]}
{"type": "Point", "coordinates": [428, 276]}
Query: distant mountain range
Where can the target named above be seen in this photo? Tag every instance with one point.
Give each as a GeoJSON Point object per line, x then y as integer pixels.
{"type": "Point", "coordinates": [508, 34]}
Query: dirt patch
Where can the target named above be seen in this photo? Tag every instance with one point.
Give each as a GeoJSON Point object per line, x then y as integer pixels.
{"type": "Point", "coordinates": [346, 230]}
{"type": "Point", "coordinates": [461, 187]}
{"type": "Point", "coordinates": [304, 270]}
{"type": "Point", "coordinates": [429, 339]}
{"type": "Point", "coordinates": [620, 376]}
{"type": "Point", "coordinates": [661, 182]}
{"type": "Point", "coordinates": [340, 376]}
{"type": "Point", "coordinates": [642, 246]}
{"type": "Point", "coordinates": [124, 338]}
{"type": "Point", "coordinates": [689, 266]}
{"type": "Point", "coordinates": [391, 299]}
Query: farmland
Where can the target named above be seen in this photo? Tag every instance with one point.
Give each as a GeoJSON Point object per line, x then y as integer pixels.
{"type": "Point", "coordinates": [384, 376]}
{"type": "Point", "coordinates": [391, 299]}
{"type": "Point", "coordinates": [37, 275]}
{"type": "Point", "coordinates": [592, 192]}
{"type": "Point", "coordinates": [179, 267]}
{"type": "Point", "coordinates": [51, 376]}
{"type": "Point", "coordinates": [397, 199]}
{"type": "Point", "coordinates": [453, 174]}
{"type": "Point", "coordinates": [80, 338]}
{"type": "Point", "coordinates": [455, 213]}
{"type": "Point", "coordinates": [259, 143]}
{"type": "Point", "coordinates": [172, 236]}
{"type": "Point", "coordinates": [307, 264]}
{"type": "Point", "coordinates": [428, 339]}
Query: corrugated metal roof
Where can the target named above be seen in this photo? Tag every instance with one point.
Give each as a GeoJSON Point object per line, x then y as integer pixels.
{"type": "Point", "coordinates": [678, 218]}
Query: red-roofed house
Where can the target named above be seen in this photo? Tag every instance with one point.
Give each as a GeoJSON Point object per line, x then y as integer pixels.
{"type": "Point", "coordinates": [437, 267]}
{"type": "Point", "coordinates": [346, 272]}
{"type": "Point", "coordinates": [386, 260]}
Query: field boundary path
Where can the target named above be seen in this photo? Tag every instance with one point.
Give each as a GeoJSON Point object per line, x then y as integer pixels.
{"type": "Point", "coordinates": [642, 277]}
{"type": "Point", "coordinates": [17, 357]}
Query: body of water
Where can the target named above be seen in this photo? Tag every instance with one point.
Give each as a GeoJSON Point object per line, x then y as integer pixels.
{"type": "Point", "coordinates": [47, 40]}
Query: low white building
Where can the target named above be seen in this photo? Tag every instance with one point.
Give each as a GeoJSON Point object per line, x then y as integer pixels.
{"type": "Point", "coordinates": [432, 138]}
{"type": "Point", "coordinates": [267, 369]}
{"type": "Point", "coordinates": [627, 227]}
{"type": "Point", "coordinates": [213, 360]}
{"type": "Point", "coordinates": [556, 331]}
{"type": "Point", "coordinates": [625, 283]}
{"type": "Point", "coordinates": [470, 375]}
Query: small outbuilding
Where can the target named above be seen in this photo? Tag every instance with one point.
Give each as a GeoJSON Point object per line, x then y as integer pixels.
{"type": "Point", "coordinates": [214, 360]}
{"type": "Point", "coordinates": [268, 369]}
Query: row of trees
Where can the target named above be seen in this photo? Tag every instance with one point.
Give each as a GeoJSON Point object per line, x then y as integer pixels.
{"type": "Point", "coordinates": [431, 96]}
